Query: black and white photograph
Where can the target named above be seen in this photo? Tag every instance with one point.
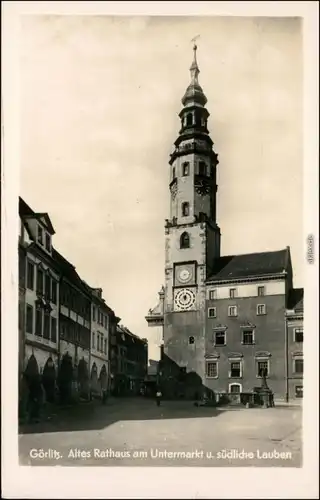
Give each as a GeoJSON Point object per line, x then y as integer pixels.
{"type": "Point", "coordinates": [160, 245]}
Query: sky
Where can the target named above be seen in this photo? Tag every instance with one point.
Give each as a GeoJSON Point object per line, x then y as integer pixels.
{"type": "Point", "coordinates": [99, 105]}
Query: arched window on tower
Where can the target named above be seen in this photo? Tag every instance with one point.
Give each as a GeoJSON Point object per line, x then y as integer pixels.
{"type": "Point", "coordinates": [185, 168]}
{"type": "Point", "coordinates": [198, 118]}
{"type": "Point", "coordinates": [185, 209]}
{"type": "Point", "coordinates": [185, 240]}
{"type": "Point", "coordinates": [189, 119]}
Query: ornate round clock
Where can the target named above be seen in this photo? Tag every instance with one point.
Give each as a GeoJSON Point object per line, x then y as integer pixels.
{"type": "Point", "coordinates": [202, 187]}
{"type": "Point", "coordinates": [184, 275]}
{"type": "Point", "coordinates": [184, 299]}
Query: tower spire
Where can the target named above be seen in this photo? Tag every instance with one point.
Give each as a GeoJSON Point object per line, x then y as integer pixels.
{"type": "Point", "coordinates": [194, 92]}
{"type": "Point", "coordinates": [194, 69]}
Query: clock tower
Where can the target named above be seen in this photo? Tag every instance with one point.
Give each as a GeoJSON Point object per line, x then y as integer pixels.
{"type": "Point", "coordinates": [192, 242]}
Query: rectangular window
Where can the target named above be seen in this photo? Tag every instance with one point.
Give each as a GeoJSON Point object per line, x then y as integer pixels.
{"type": "Point", "coordinates": [261, 291]}
{"type": "Point", "coordinates": [54, 292]}
{"type": "Point", "coordinates": [62, 328]}
{"type": "Point", "coordinates": [93, 340]}
{"type": "Point", "coordinates": [298, 366]}
{"type": "Point", "coordinates": [299, 391]}
{"type": "Point", "coordinates": [212, 369]}
{"type": "Point", "coordinates": [30, 276]}
{"type": "Point", "coordinates": [47, 290]}
{"type": "Point", "coordinates": [106, 322]}
{"type": "Point", "coordinates": [298, 334]}
{"type": "Point", "coordinates": [247, 337]}
{"type": "Point", "coordinates": [40, 281]}
{"type": "Point", "coordinates": [53, 330]}
{"type": "Point", "coordinates": [202, 168]}
{"type": "Point", "coordinates": [232, 311]}
{"type": "Point", "coordinates": [173, 172]}
{"type": "Point", "coordinates": [185, 209]}
{"type": "Point", "coordinates": [213, 294]}
{"type": "Point", "coordinates": [93, 313]}
{"type": "Point", "coordinates": [71, 333]}
{"type": "Point", "coordinates": [232, 293]}
{"type": "Point", "coordinates": [105, 346]}
{"type": "Point", "coordinates": [40, 235]}
{"type": "Point", "coordinates": [77, 332]}
{"type": "Point", "coordinates": [38, 322]}
{"type": "Point", "coordinates": [98, 342]}
{"type": "Point", "coordinates": [263, 368]}
{"type": "Point", "coordinates": [46, 326]}
{"type": "Point", "coordinates": [185, 169]}
{"type": "Point", "coordinates": [29, 319]}
{"type": "Point", "coordinates": [212, 312]}
{"type": "Point", "coordinates": [261, 309]}
{"type": "Point", "coordinates": [48, 242]}
{"type": "Point", "coordinates": [235, 369]}
{"type": "Point", "coordinates": [220, 338]}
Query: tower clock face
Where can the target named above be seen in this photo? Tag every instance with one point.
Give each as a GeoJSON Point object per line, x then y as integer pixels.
{"type": "Point", "coordinates": [184, 275]}
{"type": "Point", "coordinates": [184, 299]}
{"type": "Point", "coordinates": [202, 187]}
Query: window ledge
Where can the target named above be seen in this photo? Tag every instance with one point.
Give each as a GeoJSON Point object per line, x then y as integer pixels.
{"type": "Point", "coordinates": [212, 378]}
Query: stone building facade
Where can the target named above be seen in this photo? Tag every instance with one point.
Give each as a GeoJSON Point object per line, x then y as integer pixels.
{"type": "Point", "coordinates": [39, 310]}
{"type": "Point", "coordinates": [65, 326]}
{"type": "Point", "coordinates": [294, 335]}
{"type": "Point", "coordinates": [224, 318]}
{"type": "Point", "coordinates": [129, 362]}
{"type": "Point", "coordinates": [102, 321]}
{"type": "Point", "coordinates": [75, 332]}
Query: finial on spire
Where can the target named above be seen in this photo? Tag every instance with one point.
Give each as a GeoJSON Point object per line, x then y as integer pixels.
{"type": "Point", "coordinates": [194, 70]}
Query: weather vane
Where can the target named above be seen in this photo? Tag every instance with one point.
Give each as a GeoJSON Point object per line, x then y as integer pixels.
{"type": "Point", "coordinates": [194, 39]}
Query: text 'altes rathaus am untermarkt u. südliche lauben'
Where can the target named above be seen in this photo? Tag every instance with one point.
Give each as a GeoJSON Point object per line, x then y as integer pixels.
{"type": "Point", "coordinates": [155, 453]}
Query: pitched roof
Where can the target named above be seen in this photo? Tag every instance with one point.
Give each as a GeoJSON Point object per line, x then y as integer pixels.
{"type": "Point", "coordinates": [249, 265]}
{"type": "Point", "coordinates": [68, 270]}
{"type": "Point", "coordinates": [295, 301]}
{"type": "Point", "coordinates": [26, 211]}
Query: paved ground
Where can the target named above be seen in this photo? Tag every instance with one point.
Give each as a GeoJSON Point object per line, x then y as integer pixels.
{"type": "Point", "coordinates": [137, 432]}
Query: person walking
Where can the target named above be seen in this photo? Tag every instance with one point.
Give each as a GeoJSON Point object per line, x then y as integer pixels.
{"type": "Point", "coordinates": [158, 397]}
{"type": "Point", "coordinates": [104, 396]}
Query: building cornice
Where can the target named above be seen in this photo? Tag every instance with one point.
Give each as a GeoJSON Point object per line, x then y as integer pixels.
{"type": "Point", "coordinates": [34, 249]}
{"type": "Point", "coordinates": [246, 279]}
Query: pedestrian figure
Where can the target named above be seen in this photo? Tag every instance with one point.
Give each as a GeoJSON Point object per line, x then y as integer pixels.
{"type": "Point", "coordinates": [34, 401]}
{"type": "Point", "coordinates": [158, 397]}
{"type": "Point", "coordinates": [104, 396]}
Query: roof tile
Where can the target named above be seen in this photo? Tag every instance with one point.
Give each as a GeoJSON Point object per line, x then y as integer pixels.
{"type": "Point", "coordinates": [248, 265]}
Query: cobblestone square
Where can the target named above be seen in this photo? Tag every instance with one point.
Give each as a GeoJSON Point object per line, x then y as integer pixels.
{"type": "Point", "coordinates": [135, 432]}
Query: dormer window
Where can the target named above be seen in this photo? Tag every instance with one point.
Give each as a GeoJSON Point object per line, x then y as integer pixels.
{"type": "Point", "coordinates": [40, 235]}
{"type": "Point", "coordinates": [48, 242]}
